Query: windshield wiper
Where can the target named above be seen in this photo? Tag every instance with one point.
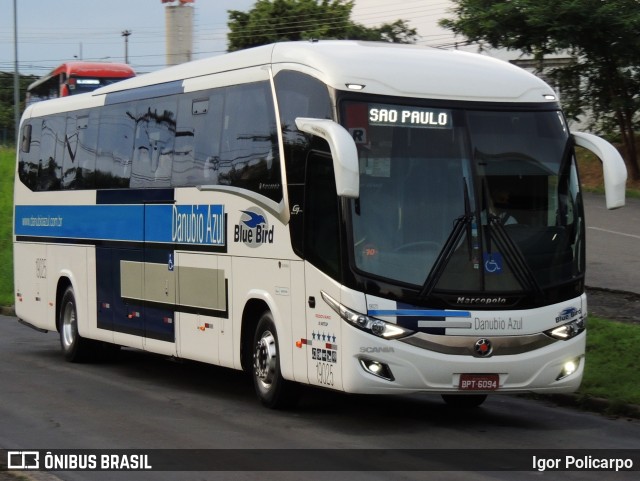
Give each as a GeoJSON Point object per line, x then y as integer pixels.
{"type": "Point", "coordinates": [513, 255]}
{"type": "Point", "coordinates": [462, 223]}
{"type": "Point", "coordinates": [445, 254]}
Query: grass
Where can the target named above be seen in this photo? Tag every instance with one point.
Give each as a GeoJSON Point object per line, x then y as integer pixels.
{"type": "Point", "coordinates": [613, 348]}
{"type": "Point", "coordinates": [613, 361]}
{"type": "Point", "coordinates": [7, 166]}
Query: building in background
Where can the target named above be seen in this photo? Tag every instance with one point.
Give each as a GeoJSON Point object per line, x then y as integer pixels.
{"type": "Point", "coordinates": [179, 27]}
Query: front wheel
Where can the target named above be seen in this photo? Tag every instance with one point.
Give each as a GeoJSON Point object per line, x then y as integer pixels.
{"type": "Point", "coordinates": [272, 389]}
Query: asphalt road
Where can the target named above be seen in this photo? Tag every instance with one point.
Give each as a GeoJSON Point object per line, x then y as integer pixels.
{"type": "Point", "coordinates": [142, 401]}
{"type": "Point", "coordinates": [613, 244]}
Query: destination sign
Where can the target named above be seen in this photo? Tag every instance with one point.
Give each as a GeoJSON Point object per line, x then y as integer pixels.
{"type": "Point", "coordinates": [403, 116]}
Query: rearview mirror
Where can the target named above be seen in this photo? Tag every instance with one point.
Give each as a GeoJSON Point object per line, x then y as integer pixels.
{"type": "Point", "coordinates": [614, 170]}
{"type": "Point", "coordinates": [343, 150]}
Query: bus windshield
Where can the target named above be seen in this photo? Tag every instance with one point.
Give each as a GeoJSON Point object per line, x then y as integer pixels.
{"type": "Point", "coordinates": [455, 200]}
{"type": "Point", "coordinates": [80, 85]}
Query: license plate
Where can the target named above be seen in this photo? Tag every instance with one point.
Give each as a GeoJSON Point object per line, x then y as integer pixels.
{"type": "Point", "coordinates": [479, 382]}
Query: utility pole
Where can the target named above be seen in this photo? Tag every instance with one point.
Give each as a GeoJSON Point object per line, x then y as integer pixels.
{"type": "Point", "coordinates": [16, 74]}
{"type": "Point", "coordinates": [125, 34]}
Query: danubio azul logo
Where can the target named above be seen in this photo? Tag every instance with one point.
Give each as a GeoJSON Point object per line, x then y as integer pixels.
{"type": "Point", "coordinates": [198, 224]}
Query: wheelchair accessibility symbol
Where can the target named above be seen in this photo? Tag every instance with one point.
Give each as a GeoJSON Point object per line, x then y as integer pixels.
{"type": "Point", "coordinates": [492, 262]}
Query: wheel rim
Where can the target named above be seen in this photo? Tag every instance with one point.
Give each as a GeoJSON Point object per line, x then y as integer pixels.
{"type": "Point", "coordinates": [265, 360]}
{"type": "Point", "coordinates": [68, 326]}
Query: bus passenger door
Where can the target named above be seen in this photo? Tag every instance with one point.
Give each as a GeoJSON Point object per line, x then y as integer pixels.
{"type": "Point", "coordinates": [322, 267]}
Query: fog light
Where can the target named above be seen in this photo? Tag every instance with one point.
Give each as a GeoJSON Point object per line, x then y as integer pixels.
{"type": "Point", "coordinates": [568, 368]}
{"type": "Point", "coordinates": [376, 368]}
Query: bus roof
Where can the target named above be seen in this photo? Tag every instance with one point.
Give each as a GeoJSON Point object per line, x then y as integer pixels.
{"type": "Point", "coordinates": [383, 68]}
{"type": "Point", "coordinates": [88, 69]}
{"type": "Point", "coordinates": [96, 69]}
{"type": "Point", "coordinates": [61, 104]}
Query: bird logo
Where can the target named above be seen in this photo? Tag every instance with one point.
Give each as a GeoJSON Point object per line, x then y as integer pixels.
{"type": "Point", "coordinates": [254, 219]}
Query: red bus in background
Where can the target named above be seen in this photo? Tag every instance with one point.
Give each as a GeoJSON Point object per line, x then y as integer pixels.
{"type": "Point", "coordinates": [77, 77]}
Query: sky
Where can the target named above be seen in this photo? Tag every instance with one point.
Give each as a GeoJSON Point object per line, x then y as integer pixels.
{"type": "Point", "coordinates": [51, 32]}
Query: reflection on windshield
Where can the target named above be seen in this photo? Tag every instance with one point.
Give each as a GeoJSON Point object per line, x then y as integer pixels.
{"type": "Point", "coordinates": [404, 219]}
{"type": "Point", "coordinates": [465, 201]}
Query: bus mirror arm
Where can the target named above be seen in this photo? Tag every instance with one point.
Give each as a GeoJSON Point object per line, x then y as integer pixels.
{"type": "Point", "coordinates": [613, 168]}
{"type": "Point", "coordinates": [343, 151]}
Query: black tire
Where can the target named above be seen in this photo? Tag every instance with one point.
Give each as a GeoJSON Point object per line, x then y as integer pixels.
{"type": "Point", "coordinates": [74, 347]}
{"type": "Point", "coordinates": [272, 389]}
{"type": "Point", "coordinates": [464, 401]}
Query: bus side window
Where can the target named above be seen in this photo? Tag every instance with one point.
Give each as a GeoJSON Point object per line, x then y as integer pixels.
{"type": "Point", "coordinates": [28, 163]}
{"type": "Point", "coordinates": [115, 146]}
{"type": "Point", "coordinates": [197, 144]}
{"type": "Point", "coordinates": [299, 95]}
{"type": "Point", "coordinates": [70, 169]}
{"type": "Point", "coordinates": [25, 143]}
{"type": "Point", "coordinates": [249, 155]}
{"type": "Point", "coordinates": [88, 127]}
{"type": "Point", "coordinates": [154, 142]}
{"type": "Point", "coordinates": [51, 152]}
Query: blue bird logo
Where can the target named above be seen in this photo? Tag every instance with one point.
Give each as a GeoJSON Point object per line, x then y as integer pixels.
{"type": "Point", "coordinates": [254, 219]}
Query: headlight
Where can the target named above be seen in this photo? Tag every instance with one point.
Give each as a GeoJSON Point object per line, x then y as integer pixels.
{"type": "Point", "coordinates": [368, 324]}
{"type": "Point", "coordinates": [568, 330]}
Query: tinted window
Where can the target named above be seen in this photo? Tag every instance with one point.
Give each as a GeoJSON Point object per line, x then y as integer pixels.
{"type": "Point", "coordinates": [154, 142]}
{"type": "Point", "coordinates": [224, 136]}
{"type": "Point", "coordinates": [69, 164]}
{"type": "Point", "coordinates": [197, 146]}
{"type": "Point", "coordinates": [29, 161]}
{"type": "Point", "coordinates": [249, 143]}
{"type": "Point", "coordinates": [87, 126]}
{"type": "Point", "coordinates": [299, 96]}
{"type": "Point", "coordinates": [51, 152]}
{"type": "Point", "coordinates": [115, 145]}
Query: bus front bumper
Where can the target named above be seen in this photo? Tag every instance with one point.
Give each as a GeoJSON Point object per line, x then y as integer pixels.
{"type": "Point", "coordinates": [379, 366]}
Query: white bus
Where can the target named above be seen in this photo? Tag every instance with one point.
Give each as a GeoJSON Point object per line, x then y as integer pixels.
{"type": "Point", "coordinates": [368, 218]}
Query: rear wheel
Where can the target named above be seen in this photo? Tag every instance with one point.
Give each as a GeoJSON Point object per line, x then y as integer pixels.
{"type": "Point", "coordinates": [464, 401]}
{"type": "Point", "coordinates": [74, 347]}
{"type": "Point", "coordinates": [272, 389]}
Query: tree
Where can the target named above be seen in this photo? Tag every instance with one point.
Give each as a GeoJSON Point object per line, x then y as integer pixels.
{"type": "Point", "coordinates": [281, 20]}
{"type": "Point", "coordinates": [7, 127]}
{"type": "Point", "coordinates": [601, 36]}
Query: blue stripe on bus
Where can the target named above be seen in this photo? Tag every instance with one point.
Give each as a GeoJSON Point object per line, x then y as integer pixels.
{"type": "Point", "coordinates": [106, 222]}
{"type": "Point", "coordinates": [418, 312]}
{"type": "Point", "coordinates": [161, 223]}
